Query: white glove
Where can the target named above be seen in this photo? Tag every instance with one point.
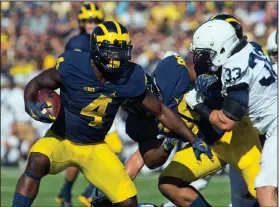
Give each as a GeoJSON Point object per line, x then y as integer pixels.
{"type": "Point", "coordinates": [170, 53]}
{"type": "Point", "coordinates": [193, 98]}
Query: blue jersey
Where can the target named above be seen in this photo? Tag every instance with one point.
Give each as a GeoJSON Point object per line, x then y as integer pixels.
{"type": "Point", "coordinates": [89, 107]}
{"type": "Point", "coordinates": [80, 42]}
{"type": "Point", "coordinates": [173, 79]}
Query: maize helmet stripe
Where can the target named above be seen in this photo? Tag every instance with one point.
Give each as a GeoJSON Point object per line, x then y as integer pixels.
{"type": "Point", "coordinates": [213, 17]}
{"type": "Point", "coordinates": [123, 29]}
{"type": "Point", "coordinates": [90, 10]}
{"type": "Point", "coordinates": [104, 28]}
{"type": "Point", "coordinates": [232, 20]}
{"type": "Point", "coordinates": [111, 26]}
{"type": "Point", "coordinates": [83, 9]}
{"type": "Point", "coordinates": [117, 27]}
{"type": "Point", "coordinates": [99, 31]}
{"type": "Point", "coordinates": [96, 11]}
{"type": "Point", "coordinates": [112, 37]}
{"type": "Point", "coordinates": [111, 31]}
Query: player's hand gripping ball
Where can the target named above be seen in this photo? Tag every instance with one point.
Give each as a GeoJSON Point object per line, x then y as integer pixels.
{"type": "Point", "coordinates": [45, 107]}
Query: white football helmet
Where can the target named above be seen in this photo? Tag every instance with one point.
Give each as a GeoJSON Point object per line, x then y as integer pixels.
{"type": "Point", "coordinates": [272, 46]}
{"type": "Point", "coordinates": [215, 39]}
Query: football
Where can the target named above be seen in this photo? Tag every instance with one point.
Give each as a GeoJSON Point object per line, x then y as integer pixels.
{"type": "Point", "coordinates": [52, 97]}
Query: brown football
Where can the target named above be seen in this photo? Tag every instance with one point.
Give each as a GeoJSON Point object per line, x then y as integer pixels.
{"type": "Point", "coordinates": [52, 97]}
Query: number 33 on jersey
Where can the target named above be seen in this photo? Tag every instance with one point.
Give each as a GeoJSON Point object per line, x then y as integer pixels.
{"type": "Point", "coordinates": [251, 69]}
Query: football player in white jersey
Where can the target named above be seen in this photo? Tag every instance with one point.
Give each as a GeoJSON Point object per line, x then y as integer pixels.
{"type": "Point", "coordinates": [249, 86]}
{"type": "Point", "coordinates": [272, 49]}
{"type": "Point", "coordinates": [240, 195]}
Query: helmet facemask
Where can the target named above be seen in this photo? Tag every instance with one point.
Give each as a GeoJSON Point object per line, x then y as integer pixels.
{"type": "Point", "coordinates": [112, 58]}
{"type": "Point", "coordinates": [202, 59]}
{"type": "Point", "coordinates": [211, 59]}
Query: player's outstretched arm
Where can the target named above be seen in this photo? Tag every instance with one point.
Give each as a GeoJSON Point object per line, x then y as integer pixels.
{"type": "Point", "coordinates": [167, 117]}
{"type": "Point", "coordinates": [47, 79]}
{"type": "Point", "coordinates": [234, 108]}
{"type": "Point", "coordinates": [174, 123]}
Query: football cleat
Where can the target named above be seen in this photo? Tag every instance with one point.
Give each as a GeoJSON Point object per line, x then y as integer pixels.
{"type": "Point", "coordinates": [59, 199]}
{"type": "Point", "coordinates": [99, 199]}
{"type": "Point", "coordinates": [85, 201]}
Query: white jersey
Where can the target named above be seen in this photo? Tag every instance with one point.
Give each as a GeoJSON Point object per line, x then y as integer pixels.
{"type": "Point", "coordinates": [250, 66]}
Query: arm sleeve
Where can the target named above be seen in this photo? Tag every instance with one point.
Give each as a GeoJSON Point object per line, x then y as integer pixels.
{"type": "Point", "coordinates": [137, 82]}
{"type": "Point", "coordinates": [235, 104]}
{"type": "Point", "coordinates": [61, 65]}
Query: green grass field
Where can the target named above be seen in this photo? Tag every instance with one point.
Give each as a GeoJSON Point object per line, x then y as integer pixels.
{"type": "Point", "coordinates": [217, 193]}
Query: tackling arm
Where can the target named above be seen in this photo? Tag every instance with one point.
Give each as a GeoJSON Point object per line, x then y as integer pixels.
{"type": "Point", "coordinates": [219, 119]}
{"type": "Point", "coordinates": [234, 108]}
{"type": "Point", "coordinates": [167, 117]}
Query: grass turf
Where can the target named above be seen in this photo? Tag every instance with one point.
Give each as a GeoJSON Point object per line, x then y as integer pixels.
{"type": "Point", "coordinates": [217, 193]}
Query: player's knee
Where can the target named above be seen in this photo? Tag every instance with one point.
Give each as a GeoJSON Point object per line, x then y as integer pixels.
{"type": "Point", "coordinates": [164, 189]}
{"type": "Point", "coordinates": [174, 188]}
{"type": "Point", "coordinates": [38, 165]}
{"type": "Point", "coordinates": [131, 202]}
{"type": "Point", "coordinates": [180, 195]}
{"type": "Point", "coordinates": [166, 183]}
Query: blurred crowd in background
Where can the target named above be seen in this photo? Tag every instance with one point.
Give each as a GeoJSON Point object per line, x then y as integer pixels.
{"type": "Point", "coordinates": [33, 34]}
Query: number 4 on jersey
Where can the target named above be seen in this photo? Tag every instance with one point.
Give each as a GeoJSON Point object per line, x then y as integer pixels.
{"type": "Point", "coordinates": [97, 110]}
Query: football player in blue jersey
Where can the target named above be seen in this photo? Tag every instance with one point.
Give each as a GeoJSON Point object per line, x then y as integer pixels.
{"type": "Point", "coordinates": [92, 87]}
{"type": "Point", "coordinates": [89, 16]}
